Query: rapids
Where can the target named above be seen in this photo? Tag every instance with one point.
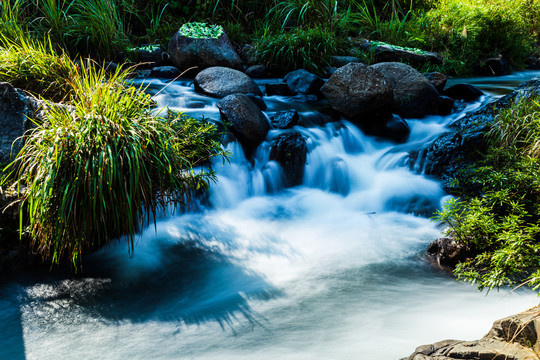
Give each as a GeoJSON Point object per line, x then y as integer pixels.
{"type": "Point", "coordinates": [332, 269]}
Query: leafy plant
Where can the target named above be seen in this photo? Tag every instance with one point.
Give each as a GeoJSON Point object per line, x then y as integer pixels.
{"type": "Point", "coordinates": [105, 165]}
{"type": "Point", "coordinates": [499, 217]}
{"type": "Point", "coordinates": [199, 30]}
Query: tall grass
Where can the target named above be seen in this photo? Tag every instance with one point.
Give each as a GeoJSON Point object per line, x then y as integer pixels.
{"type": "Point", "coordinates": [105, 165]}
{"type": "Point", "coordinates": [11, 24]}
{"type": "Point", "coordinates": [35, 67]}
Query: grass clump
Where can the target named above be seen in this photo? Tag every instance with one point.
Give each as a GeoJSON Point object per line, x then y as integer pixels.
{"type": "Point", "coordinates": [199, 30]}
{"type": "Point", "coordinates": [309, 49]}
{"type": "Point", "coordinates": [498, 214]}
{"type": "Point", "coordinates": [104, 165]}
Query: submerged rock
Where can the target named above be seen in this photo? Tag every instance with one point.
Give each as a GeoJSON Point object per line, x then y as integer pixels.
{"type": "Point", "coordinates": [248, 123]}
{"type": "Point", "coordinates": [414, 96]}
{"type": "Point", "coordinates": [466, 92]}
{"type": "Point", "coordinates": [290, 151]}
{"type": "Point", "coordinates": [393, 128]}
{"type": "Point", "coordinates": [221, 81]}
{"type": "Point", "coordinates": [357, 89]}
{"type": "Point", "coordinates": [302, 82]}
{"type": "Point", "coordinates": [285, 119]}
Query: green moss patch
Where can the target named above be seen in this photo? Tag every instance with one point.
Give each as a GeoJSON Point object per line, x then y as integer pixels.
{"type": "Point", "coordinates": [198, 30]}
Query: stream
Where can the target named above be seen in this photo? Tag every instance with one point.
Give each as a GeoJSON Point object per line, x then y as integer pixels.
{"type": "Point", "coordinates": [333, 269]}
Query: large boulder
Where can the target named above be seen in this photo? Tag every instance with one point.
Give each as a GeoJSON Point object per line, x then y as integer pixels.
{"type": "Point", "coordinates": [187, 52]}
{"type": "Point", "coordinates": [356, 90]}
{"type": "Point", "coordinates": [221, 81]}
{"type": "Point", "coordinates": [303, 82]}
{"type": "Point", "coordinates": [248, 122]}
{"type": "Point", "coordinates": [290, 151]}
{"type": "Point", "coordinates": [414, 96]}
{"type": "Point", "coordinates": [16, 110]}
{"type": "Point", "coordinates": [515, 337]}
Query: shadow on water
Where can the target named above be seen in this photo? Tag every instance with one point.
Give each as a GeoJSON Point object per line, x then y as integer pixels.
{"type": "Point", "coordinates": [11, 333]}
{"type": "Point", "coordinates": [181, 279]}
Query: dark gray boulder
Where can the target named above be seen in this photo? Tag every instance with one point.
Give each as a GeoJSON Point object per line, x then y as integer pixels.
{"type": "Point", "coordinates": [289, 150]}
{"type": "Point", "coordinates": [284, 119]}
{"type": "Point", "coordinates": [465, 92]}
{"type": "Point", "coordinates": [302, 82]}
{"type": "Point", "coordinates": [221, 81]}
{"type": "Point", "coordinates": [339, 61]}
{"type": "Point", "coordinates": [495, 66]}
{"type": "Point", "coordinates": [437, 79]}
{"type": "Point", "coordinates": [446, 105]}
{"type": "Point", "coordinates": [186, 52]}
{"type": "Point", "coordinates": [393, 127]}
{"type": "Point", "coordinates": [447, 252]}
{"type": "Point", "coordinates": [16, 110]}
{"type": "Point", "coordinates": [248, 123]}
{"type": "Point", "coordinates": [357, 89]}
{"type": "Point", "coordinates": [414, 96]}
{"type": "Point", "coordinates": [256, 71]}
{"type": "Point", "coordinates": [150, 56]}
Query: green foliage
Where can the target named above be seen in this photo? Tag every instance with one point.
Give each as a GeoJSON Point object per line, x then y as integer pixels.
{"type": "Point", "coordinates": [468, 31]}
{"type": "Point", "coordinates": [35, 67]}
{"type": "Point", "coordinates": [11, 24]}
{"type": "Point", "coordinates": [498, 217]}
{"type": "Point", "coordinates": [199, 30]}
{"type": "Point", "coordinates": [308, 49]}
{"type": "Point", "coordinates": [101, 167]}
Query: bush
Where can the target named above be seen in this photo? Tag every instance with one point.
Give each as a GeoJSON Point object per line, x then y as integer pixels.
{"type": "Point", "coordinates": [104, 165]}
{"type": "Point", "coordinates": [472, 30]}
{"type": "Point", "coordinates": [499, 220]}
{"type": "Point", "coordinates": [309, 49]}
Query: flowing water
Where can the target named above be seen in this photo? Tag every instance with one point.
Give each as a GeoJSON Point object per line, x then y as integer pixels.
{"type": "Point", "coordinates": [332, 269]}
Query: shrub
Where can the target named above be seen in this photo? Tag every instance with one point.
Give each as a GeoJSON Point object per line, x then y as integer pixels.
{"type": "Point", "coordinates": [309, 49]}
{"type": "Point", "coordinates": [471, 30]}
{"type": "Point", "coordinates": [103, 166]}
{"type": "Point", "coordinates": [499, 220]}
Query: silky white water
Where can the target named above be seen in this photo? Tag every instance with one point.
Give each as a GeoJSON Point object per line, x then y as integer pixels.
{"type": "Point", "coordinates": [332, 269]}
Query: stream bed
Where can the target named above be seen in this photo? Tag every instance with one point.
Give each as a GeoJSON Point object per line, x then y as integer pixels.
{"type": "Point", "coordinates": [332, 269]}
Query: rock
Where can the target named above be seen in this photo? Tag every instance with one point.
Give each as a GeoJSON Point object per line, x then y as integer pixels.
{"type": "Point", "coordinates": [16, 110]}
{"type": "Point", "coordinates": [186, 52]}
{"type": "Point", "coordinates": [447, 253]}
{"type": "Point", "coordinates": [389, 53]}
{"type": "Point", "coordinates": [393, 128]}
{"type": "Point", "coordinates": [466, 92]}
{"type": "Point", "coordinates": [357, 90]}
{"type": "Point", "coordinates": [446, 105]}
{"type": "Point", "coordinates": [495, 66]}
{"type": "Point", "coordinates": [284, 119]}
{"type": "Point", "coordinates": [258, 100]}
{"type": "Point", "coordinates": [302, 82]}
{"type": "Point", "coordinates": [165, 72]}
{"type": "Point", "coordinates": [452, 151]}
{"type": "Point", "coordinates": [150, 56]}
{"type": "Point", "coordinates": [414, 96]}
{"type": "Point", "coordinates": [256, 71]}
{"type": "Point", "coordinates": [290, 151]}
{"type": "Point", "coordinates": [437, 79]}
{"type": "Point", "coordinates": [511, 338]}
{"type": "Point", "coordinates": [248, 122]}
{"type": "Point", "coordinates": [277, 89]}
{"type": "Point", "coordinates": [339, 61]}
{"type": "Point", "coordinates": [221, 81]}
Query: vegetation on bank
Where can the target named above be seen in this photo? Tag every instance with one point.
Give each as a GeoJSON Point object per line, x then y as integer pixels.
{"type": "Point", "coordinates": [497, 215]}
{"type": "Point", "coordinates": [304, 32]}
{"type": "Point", "coordinates": [101, 163]}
